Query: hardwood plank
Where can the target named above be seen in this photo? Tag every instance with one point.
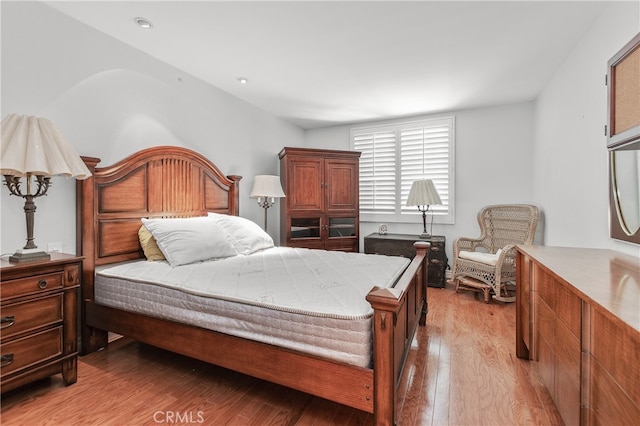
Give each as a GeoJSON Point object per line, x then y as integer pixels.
{"type": "Point", "coordinates": [462, 370]}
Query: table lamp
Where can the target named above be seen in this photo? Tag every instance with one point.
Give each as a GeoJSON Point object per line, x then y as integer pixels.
{"type": "Point", "coordinates": [423, 194]}
{"type": "Point", "coordinates": [34, 147]}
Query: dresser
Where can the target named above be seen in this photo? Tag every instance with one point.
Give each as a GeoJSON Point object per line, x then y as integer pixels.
{"type": "Point", "coordinates": [577, 321]}
{"type": "Point", "coordinates": [321, 208]}
{"type": "Point", "coordinates": [39, 320]}
{"type": "Point", "coordinates": [402, 245]}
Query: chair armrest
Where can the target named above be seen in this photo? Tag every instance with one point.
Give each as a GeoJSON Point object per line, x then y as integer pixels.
{"type": "Point", "coordinates": [465, 244]}
{"type": "Point", "coordinates": [506, 260]}
{"type": "Point", "coordinates": [508, 253]}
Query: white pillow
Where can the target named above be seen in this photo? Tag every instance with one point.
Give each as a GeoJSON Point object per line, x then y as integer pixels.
{"type": "Point", "coordinates": [189, 240]}
{"type": "Point", "coordinates": [244, 235]}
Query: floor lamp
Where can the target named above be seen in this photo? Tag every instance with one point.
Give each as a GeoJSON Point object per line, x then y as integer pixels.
{"type": "Point", "coordinates": [35, 148]}
{"type": "Point", "coordinates": [266, 189]}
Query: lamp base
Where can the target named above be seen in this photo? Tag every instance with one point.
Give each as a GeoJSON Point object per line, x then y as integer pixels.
{"type": "Point", "coordinates": [29, 255]}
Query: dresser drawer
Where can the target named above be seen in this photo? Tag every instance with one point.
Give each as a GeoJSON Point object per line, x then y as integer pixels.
{"type": "Point", "coordinates": [31, 315]}
{"type": "Point", "coordinates": [32, 285]}
{"type": "Point", "coordinates": [30, 350]}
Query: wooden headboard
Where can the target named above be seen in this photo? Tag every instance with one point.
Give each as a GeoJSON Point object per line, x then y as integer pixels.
{"type": "Point", "coordinates": [163, 181]}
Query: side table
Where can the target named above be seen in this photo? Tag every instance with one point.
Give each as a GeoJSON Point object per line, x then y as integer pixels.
{"type": "Point", "coordinates": [39, 331]}
{"type": "Point", "coordinates": [402, 245]}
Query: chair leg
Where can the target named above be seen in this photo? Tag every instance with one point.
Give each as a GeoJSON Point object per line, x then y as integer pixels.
{"type": "Point", "coordinates": [502, 295]}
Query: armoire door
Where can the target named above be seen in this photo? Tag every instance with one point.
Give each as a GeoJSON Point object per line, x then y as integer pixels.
{"type": "Point", "coordinates": [341, 185]}
{"type": "Point", "coordinates": [305, 186]}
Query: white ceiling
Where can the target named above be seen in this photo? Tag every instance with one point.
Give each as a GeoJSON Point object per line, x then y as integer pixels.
{"type": "Point", "coordinates": [322, 63]}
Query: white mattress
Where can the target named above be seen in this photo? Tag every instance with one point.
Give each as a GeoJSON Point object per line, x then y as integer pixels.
{"type": "Point", "coordinates": [307, 300]}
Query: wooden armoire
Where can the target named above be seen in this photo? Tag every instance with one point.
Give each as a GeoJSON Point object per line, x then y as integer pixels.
{"type": "Point", "coordinates": [321, 208]}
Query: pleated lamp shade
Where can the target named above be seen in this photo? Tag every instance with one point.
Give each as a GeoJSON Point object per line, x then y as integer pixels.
{"type": "Point", "coordinates": [423, 193]}
{"type": "Point", "coordinates": [36, 146]}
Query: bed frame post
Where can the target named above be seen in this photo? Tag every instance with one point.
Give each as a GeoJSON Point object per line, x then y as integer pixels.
{"type": "Point", "coordinates": [385, 305]}
{"type": "Point", "coordinates": [397, 313]}
{"type": "Point", "coordinates": [234, 198]}
{"type": "Point", "coordinates": [422, 249]}
{"type": "Point", "coordinates": [92, 339]}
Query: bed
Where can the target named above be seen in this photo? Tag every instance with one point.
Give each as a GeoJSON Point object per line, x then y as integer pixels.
{"type": "Point", "coordinates": [174, 182]}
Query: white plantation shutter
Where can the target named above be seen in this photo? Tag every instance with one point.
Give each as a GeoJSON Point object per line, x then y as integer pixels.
{"type": "Point", "coordinates": [424, 151]}
{"type": "Point", "coordinates": [396, 155]}
{"type": "Point", "coordinates": [377, 170]}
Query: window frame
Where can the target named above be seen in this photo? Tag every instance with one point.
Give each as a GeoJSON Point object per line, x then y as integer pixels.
{"type": "Point", "coordinates": [439, 214]}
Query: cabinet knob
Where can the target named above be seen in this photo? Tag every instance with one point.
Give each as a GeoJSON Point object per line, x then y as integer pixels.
{"type": "Point", "coordinates": [6, 360]}
{"type": "Point", "coordinates": [42, 284]}
{"type": "Point", "coordinates": [7, 321]}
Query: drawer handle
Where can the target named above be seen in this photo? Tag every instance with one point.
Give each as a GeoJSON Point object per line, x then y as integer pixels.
{"type": "Point", "coordinates": [42, 284]}
{"type": "Point", "coordinates": [436, 261]}
{"type": "Point", "coordinates": [6, 360]}
{"type": "Point", "coordinates": [433, 248]}
{"type": "Point", "coordinates": [7, 321]}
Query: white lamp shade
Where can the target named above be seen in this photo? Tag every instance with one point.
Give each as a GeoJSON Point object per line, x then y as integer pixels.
{"type": "Point", "coordinates": [35, 145]}
{"type": "Point", "coordinates": [423, 193]}
{"type": "Point", "coordinates": [267, 186]}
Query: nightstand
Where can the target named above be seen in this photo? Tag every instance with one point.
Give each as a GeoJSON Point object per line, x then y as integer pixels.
{"type": "Point", "coordinates": [39, 320]}
{"type": "Point", "coordinates": [402, 245]}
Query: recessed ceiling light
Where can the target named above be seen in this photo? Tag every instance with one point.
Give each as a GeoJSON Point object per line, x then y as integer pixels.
{"type": "Point", "coordinates": [143, 23]}
{"type": "Point", "coordinates": [243, 80]}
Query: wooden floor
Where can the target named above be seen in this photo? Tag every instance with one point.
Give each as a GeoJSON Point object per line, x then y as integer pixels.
{"type": "Point", "coordinates": [462, 370]}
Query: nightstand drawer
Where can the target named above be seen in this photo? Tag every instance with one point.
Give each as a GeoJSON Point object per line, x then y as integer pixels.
{"type": "Point", "coordinates": [30, 350]}
{"type": "Point", "coordinates": [26, 316]}
{"type": "Point", "coordinates": [31, 285]}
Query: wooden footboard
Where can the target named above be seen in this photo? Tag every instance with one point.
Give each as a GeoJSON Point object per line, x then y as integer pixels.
{"type": "Point", "coordinates": [348, 385]}
{"type": "Point", "coordinates": [176, 182]}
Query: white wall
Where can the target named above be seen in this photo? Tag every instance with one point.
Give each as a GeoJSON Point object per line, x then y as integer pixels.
{"type": "Point", "coordinates": [570, 178]}
{"type": "Point", "coordinates": [111, 100]}
{"type": "Point", "coordinates": [493, 165]}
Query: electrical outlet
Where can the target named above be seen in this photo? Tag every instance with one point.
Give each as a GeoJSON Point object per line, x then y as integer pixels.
{"type": "Point", "coordinates": [54, 247]}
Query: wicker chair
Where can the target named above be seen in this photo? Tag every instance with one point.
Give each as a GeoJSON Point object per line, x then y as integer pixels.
{"type": "Point", "coordinates": [490, 268]}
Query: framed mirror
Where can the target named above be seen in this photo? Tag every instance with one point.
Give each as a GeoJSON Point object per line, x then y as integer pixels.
{"type": "Point", "coordinates": [624, 166]}
{"type": "Point", "coordinates": [623, 142]}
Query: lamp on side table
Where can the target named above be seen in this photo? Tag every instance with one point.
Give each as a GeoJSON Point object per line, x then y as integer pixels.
{"type": "Point", "coordinates": [423, 194]}
{"type": "Point", "coordinates": [34, 147]}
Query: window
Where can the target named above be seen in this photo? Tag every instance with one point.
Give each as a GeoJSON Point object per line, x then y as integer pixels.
{"type": "Point", "coordinates": [395, 155]}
